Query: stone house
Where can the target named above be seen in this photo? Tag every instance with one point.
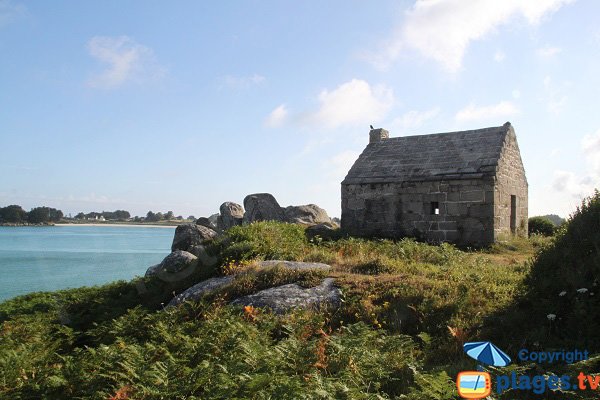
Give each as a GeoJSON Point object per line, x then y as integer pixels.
{"type": "Point", "coordinates": [467, 188]}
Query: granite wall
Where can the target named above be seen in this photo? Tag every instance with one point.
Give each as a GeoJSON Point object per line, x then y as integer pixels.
{"type": "Point", "coordinates": [465, 210]}
{"type": "Point", "coordinates": [510, 181]}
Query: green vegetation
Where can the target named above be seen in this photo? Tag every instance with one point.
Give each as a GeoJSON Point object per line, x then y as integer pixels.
{"type": "Point", "coordinates": [564, 282]}
{"type": "Point", "coordinates": [541, 226]}
{"type": "Point", "coordinates": [159, 216]}
{"type": "Point", "coordinates": [117, 215]}
{"type": "Point", "coordinates": [15, 214]}
{"type": "Point", "coordinates": [555, 219]}
{"type": "Point", "coordinates": [408, 308]}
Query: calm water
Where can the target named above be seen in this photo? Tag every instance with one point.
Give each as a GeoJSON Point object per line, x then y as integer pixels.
{"type": "Point", "coordinates": [49, 258]}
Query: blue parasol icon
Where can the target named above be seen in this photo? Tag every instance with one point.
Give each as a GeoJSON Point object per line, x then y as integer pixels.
{"type": "Point", "coordinates": [487, 353]}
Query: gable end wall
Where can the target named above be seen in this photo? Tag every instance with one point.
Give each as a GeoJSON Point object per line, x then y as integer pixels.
{"type": "Point", "coordinates": [510, 180]}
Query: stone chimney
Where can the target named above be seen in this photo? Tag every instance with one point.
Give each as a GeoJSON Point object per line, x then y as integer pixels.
{"type": "Point", "coordinates": [377, 135]}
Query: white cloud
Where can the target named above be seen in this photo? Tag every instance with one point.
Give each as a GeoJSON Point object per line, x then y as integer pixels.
{"type": "Point", "coordinates": [353, 102]}
{"type": "Point", "coordinates": [277, 117]}
{"type": "Point", "coordinates": [580, 186]}
{"type": "Point", "coordinates": [243, 82]}
{"type": "Point", "coordinates": [516, 94]}
{"type": "Point", "coordinates": [575, 186]}
{"type": "Point", "coordinates": [442, 30]}
{"type": "Point", "coordinates": [474, 113]}
{"type": "Point", "coordinates": [548, 51]}
{"type": "Point", "coordinates": [499, 56]}
{"type": "Point", "coordinates": [125, 59]}
{"type": "Point", "coordinates": [413, 119]}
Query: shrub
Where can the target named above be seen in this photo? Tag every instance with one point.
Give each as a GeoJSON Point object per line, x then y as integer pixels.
{"type": "Point", "coordinates": [265, 239]}
{"type": "Point", "coordinates": [572, 261]}
{"type": "Point", "coordinates": [541, 226]}
{"type": "Point", "coordinates": [560, 307]}
{"type": "Point", "coordinates": [210, 352]}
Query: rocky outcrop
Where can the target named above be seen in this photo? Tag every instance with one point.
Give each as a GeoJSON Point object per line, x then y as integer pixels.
{"type": "Point", "coordinates": [205, 260]}
{"type": "Point", "coordinates": [284, 298]}
{"type": "Point", "coordinates": [324, 230]}
{"type": "Point", "coordinates": [232, 214]}
{"type": "Point", "coordinates": [17, 224]}
{"type": "Point", "coordinates": [309, 214]}
{"type": "Point", "coordinates": [295, 265]}
{"type": "Point", "coordinates": [177, 261]}
{"type": "Point", "coordinates": [197, 291]}
{"type": "Point", "coordinates": [176, 266]}
{"type": "Point", "coordinates": [203, 221]}
{"type": "Point", "coordinates": [262, 207]}
{"type": "Point", "coordinates": [190, 254]}
{"type": "Point", "coordinates": [213, 219]}
{"type": "Point", "coordinates": [153, 270]}
{"type": "Point", "coordinates": [189, 235]}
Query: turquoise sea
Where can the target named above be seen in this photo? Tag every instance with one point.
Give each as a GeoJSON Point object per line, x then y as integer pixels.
{"type": "Point", "coordinates": [58, 257]}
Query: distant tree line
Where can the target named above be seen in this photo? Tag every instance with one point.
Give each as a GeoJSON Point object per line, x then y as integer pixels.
{"type": "Point", "coordinates": [117, 215]}
{"type": "Point", "coordinates": [159, 216]}
{"type": "Point", "coordinates": [545, 225]}
{"type": "Point", "coordinates": [15, 214]}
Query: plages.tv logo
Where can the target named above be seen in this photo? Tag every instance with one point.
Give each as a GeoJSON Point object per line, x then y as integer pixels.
{"type": "Point", "coordinates": [473, 384]}
{"type": "Point", "coordinates": [478, 384]}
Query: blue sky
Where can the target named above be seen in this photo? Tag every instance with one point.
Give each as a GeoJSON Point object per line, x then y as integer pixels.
{"type": "Point", "coordinates": [144, 105]}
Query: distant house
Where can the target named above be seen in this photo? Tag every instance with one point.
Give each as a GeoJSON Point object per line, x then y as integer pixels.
{"type": "Point", "coordinates": [467, 187]}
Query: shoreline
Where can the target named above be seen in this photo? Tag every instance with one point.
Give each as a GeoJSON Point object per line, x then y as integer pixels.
{"type": "Point", "coordinates": [126, 225]}
{"type": "Point", "coordinates": [25, 224]}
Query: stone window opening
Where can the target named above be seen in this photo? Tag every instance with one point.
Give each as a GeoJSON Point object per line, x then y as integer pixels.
{"type": "Point", "coordinates": [435, 208]}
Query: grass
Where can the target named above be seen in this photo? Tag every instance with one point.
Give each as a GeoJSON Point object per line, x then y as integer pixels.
{"type": "Point", "coordinates": [408, 308]}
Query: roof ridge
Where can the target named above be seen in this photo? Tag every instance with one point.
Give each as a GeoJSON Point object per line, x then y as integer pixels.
{"type": "Point", "coordinates": [500, 128]}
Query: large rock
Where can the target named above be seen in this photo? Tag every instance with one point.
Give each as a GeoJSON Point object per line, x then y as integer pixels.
{"type": "Point", "coordinates": [153, 270]}
{"type": "Point", "coordinates": [176, 266]}
{"type": "Point", "coordinates": [197, 291]}
{"type": "Point", "coordinates": [284, 298]}
{"type": "Point", "coordinates": [232, 214]}
{"type": "Point", "coordinates": [205, 260]}
{"type": "Point", "coordinates": [206, 222]}
{"type": "Point", "coordinates": [324, 230]}
{"type": "Point", "coordinates": [309, 214]}
{"type": "Point", "coordinates": [213, 219]}
{"type": "Point", "coordinates": [262, 207]}
{"type": "Point", "coordinates": [189, 235]}
{"type": "Point", "coordinates": [177, 261]}
{"type": "Point", "coordinates": [295, 265]}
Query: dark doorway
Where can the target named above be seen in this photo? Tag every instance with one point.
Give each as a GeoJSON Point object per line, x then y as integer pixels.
{"type": "Point", "coordinates": [513, 214]}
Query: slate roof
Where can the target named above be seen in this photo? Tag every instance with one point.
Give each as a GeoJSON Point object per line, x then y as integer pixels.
{"type": "Point", "coordinates": [448, 156]}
